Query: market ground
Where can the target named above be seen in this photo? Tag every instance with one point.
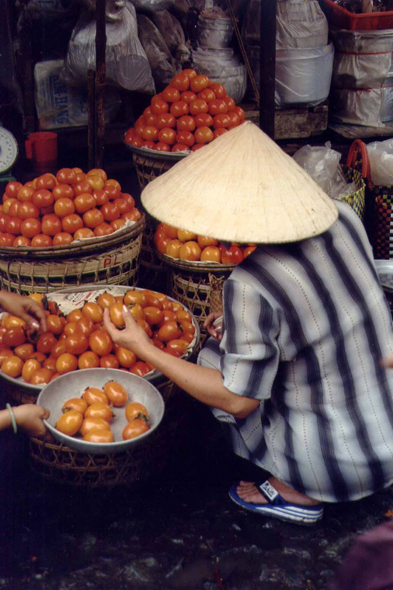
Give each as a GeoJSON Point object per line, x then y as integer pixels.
{"type": "Point", "coordinates": [176, 530]}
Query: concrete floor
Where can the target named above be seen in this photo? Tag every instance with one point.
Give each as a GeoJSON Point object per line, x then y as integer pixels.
{"type": "Point", "coordinates": [178, 529]}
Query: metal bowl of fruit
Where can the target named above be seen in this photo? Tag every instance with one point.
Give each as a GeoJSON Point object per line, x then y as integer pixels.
{"type": "Point", "coordinates": [102, 411]}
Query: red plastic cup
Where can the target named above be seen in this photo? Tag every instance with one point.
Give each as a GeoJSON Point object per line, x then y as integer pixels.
{"type": "Point", "coordinates": [41, 148]}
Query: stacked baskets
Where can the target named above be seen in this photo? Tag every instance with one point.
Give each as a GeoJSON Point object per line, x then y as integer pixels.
{"type": "Point", "coordinates": [59, 463]}
{"type": "Point", "coordinates": [112, 260]}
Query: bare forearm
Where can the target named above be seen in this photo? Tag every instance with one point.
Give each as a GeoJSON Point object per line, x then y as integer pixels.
{"type": "Point", "coordinates": [202, 383]}
{"type": "Point", "coordinates": [5, 419]}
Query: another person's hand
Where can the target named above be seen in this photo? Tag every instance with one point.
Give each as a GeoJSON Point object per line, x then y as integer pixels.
{"type": "Point", "coordinates": [132, 336]}
{"type": "Point", "coordinates": [29, 418]}
{"type": "Point", "coordinates": [25, 308]}
{"type": "Point", "coordinates": [387, 362]}
{"type": "Point", "coordinates": [213, 325]}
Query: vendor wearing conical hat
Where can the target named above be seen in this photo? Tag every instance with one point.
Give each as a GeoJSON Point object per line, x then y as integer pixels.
{"type": "Point", "coordinates": [296, 377]}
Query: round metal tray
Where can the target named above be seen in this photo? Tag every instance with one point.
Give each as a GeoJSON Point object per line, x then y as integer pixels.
{"type": "Point", "coordinates": [73, 384]}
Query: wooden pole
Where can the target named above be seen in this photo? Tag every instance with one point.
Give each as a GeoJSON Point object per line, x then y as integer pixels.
{"type": "Point", "coordinates": [100, 83]}
{"type": "Point", "coordinates": [267, 66]}
{"type": "Point", "coordinates": [91, 121]}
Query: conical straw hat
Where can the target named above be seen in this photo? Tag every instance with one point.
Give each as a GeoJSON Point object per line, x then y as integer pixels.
{"type": "Point", "coordinates": [241, 188]}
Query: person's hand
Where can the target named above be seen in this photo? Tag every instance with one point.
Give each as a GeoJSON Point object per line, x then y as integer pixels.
{"type": "Point", "coordinates": [25, 308]}
{"type": "Point", "coordinates": [387, 362]}
{"type": "Point", "coordinates": [29, 418]}
{"type": "Point", "coordinates": [132, 337]}
{"type": "Point", "coordinates": [213, 325]}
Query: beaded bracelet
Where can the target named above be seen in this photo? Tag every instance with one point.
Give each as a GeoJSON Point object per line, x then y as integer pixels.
{"type": "Point", "coordinates": [11, 411]}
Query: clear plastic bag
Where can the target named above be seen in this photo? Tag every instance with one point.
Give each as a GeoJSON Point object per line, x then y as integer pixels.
{"type": "Point", "coordinates": [380, 154]}
{"type": "Point", "coordinates": [323, 165]}
{"type": "Point", "coordinates": [158, 54]}
{"type": "Point", "coordinates": [126, 62]}
{"type": "Point", "coordinates": [152, 5]}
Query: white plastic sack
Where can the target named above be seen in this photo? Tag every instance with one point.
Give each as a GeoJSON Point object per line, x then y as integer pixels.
{"type": "Point", "coordinates": [300, 24]}
{"type": "Point", "coordinates": [59, 105]}
{"type": "Point", "coordinates": [224, 67]}
{"type": "Point", "coordinates": [380, 154]}
{"type": "Point", "coordinates": [126, 61]}
{"type": "Point", "coordinates": [323, 165]}
{"type": "Point", "coordinates": [368, 107]}
{"type": "Point", "coordinates": [158, 54]}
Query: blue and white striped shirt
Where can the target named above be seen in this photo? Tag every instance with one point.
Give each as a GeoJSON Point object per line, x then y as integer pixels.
{"type": "Point", "coordinates": [305, 327]}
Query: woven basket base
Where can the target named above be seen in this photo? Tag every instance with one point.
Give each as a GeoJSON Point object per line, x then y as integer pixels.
{"type": "Point", "coordinates": [66, 466]}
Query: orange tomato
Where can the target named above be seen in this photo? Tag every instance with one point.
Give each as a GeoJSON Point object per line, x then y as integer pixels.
{"type": "Point", "coordinates": [46, 342]}
{"type": "Point", "coordinates": [71, 223]}
{"type": "Point", "coordinates": [203, 120]}
{"type": "Point", "coordinates": [89, 424]}
{"type": "Point", "coordinates": [54, 324]}
{"type": "Point", "coordinates": [179, 108]}
{"type": "Point", "coordinates": [93, 395]}
{"type": "Point", "coordinates": [116, 314]}
{"type": "Point", "coordinates": [185, 138]}
{"type": "Point", "coordinates": [185, 123]}
{"type": "Point", "coordinates": [135, 297]}
{"type": "Point", "coordinates": [66, 176]}
{"type": "Point", "coordinates": [88, 360]}
{"type": "Point", "coordinates": [211, 254]}
{"type": "Point", "coordinates": [190, 251]}
{"type": "Point", "coordinates": [41, 376]}
{"type": "Point", "coordinates": [75, 403]}
{"type": "Point", "coordinates": [62, 239]}
{"type": "Point", "coordinates": [116, 393]}
{"type": "Point", "coordinates": [198, 106]}
{"type": "Point", "coordinates": [74, 315]}
{"type": "Point", "coordinates": [29, 367]}
{"type": "Point", "coordinates": [100, 342]}
{"type": "Point", "coordinates": [30, 228]}
{"type": "Point", "coordinates": [105, 300]}
{"type": "Point", "coordinates": [125, 357]}
{"type": "Point", "coordinates": [49, 363]}
{"type": "Point", "coordinates": [247, 251]}
{"type": "Point", "coordinates": [66, 363]}
{"type": "Point", "coordinates": [99, 410]}
{"type": "Point", "coordinates": [185, 236]}
{"type": "Point", "coordinates": [169, 331]}
{"type": "Point", "coordinates": [83, 232]}
{"type": "Point", "coordinates": [12, 366]}
{"type": "Point", "coordinates": [198, 83]}
{"type": "Point", "coordinates": [76, 344]}
{"type": "Point", "coordinates": [93, 311]}
{"type": "Point", "coordinates": [135, 428]}
{"type": "Point", "coordinates": [136, 410]}
{"type": "Point", "coordinates": [70, 422]}
{"type": "Point", "coordinates": [188, 96]}
{"type": "Point", "coordinates": [178, 344]}
{"type": "Point", "coordinates": [109, 361]}
{"type": "Point", "coordinates": [21, 241]}
{"type": "Point", "coordinates": [181, 81]}
{"type": "Point", "coordinates": [218, 90]}
{"type": "Point", "coordinates": [23, 351]}
{"type": "Point", "coordinates": [153, 315]}
{"type": "Point", "coordinates": [99, 436]}
{"type": "Point", "coordinates": [203, 135]}
{"type": "Point", "coordinates": [14, 337]}
{"type": "Point", "coordinates": [63, 191]}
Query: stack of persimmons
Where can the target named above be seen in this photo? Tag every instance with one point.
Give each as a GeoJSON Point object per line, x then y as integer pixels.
{"type": "Point", "coordinates": [54, 210]}
{"type": "Point", "coordinates": [189, 113]}
{"type": "Point", "coordinates": [80, 341]}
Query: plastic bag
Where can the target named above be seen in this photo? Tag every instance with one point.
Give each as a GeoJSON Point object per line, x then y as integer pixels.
{"type": "Point", "coordinates": [380, 154]}
{"type": "Point", "coordinates": [59, 105]}
{"type": "Point", "coordinates": [323, 165]}
{"type": "Point", "coordinates": [152, 5]}
{"type": "Point", "coordinates": [223, 66]}
{"type": "Point", "coordinates": [170, 29]}
{"type": "Point", "coordinates": [158, 54]}
{"type": "Point", "coordinates": [126, 61]}
{"type": "Point", "coordinates": [300, 25]}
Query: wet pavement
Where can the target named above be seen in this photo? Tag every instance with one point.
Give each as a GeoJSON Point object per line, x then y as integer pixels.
{"type": "Point", "coordinates": [176, 530]}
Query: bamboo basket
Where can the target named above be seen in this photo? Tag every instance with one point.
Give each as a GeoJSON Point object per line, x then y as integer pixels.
{"type": "Point", "coordinates": [111, 260]}
{"type": "Point", "coordinates": [197, 285]}
{"type": "Point", "coordinates": [63, 465]}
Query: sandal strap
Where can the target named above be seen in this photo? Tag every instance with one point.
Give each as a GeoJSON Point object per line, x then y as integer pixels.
{"type": "Point", "coordinates": [270, 493]}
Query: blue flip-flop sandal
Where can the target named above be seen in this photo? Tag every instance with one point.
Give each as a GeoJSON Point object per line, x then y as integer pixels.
{"type": "Point", "coordinates": [277, 507]}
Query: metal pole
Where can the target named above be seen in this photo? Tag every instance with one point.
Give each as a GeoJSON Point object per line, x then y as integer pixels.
{"type": "Point", "coordinates": [267, 66]}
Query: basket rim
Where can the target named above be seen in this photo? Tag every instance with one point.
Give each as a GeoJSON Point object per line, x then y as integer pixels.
{"type": "Point", "coordinates": [196, 266]}
{"type": "Point", "coordinates": [70, 250]}
{"type": "Point", "coordinates": [154, 155]}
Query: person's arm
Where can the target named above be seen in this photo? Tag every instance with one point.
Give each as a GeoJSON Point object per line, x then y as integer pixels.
{"type": "Point", "coordinates": [25, 308]}
{"type": "Point", "coordinates": [202, 383]}
{"type": "Point", "coordinates": [28, 417]}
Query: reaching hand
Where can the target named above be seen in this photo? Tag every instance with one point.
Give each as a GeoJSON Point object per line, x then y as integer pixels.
{"type": "Point", "coordinates": [25, 308]}
{"type": "Point", "coordinates": [132, 337]}
{"type": "Point", "coordinates": [387, 362]}
{"type": "Point", "coordinates": [29, 418]}
{"type": "Point", "coordinates": [213, 325]}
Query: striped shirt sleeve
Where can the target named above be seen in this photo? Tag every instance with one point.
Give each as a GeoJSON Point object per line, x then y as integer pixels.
{"type": "Point", "coordinates": [249, 348]}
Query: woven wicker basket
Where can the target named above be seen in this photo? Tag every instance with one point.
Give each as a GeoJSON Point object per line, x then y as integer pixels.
{"type": "Point", "coordinates": [197, 285]}
{"type": "Point", "coordinates": [61, 464]}
{"type": "Point", "coordinates": [111, 260]}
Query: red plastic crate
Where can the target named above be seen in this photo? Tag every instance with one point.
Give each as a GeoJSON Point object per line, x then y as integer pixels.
{"type": "Point", "coordinates": [343, 19]}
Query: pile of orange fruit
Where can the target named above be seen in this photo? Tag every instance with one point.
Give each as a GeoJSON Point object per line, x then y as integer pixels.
{"type": "Point", "coordinates": [186, 245]}
{"type": "Point", "coordinates": [189, 113]}
{"type": "Point", "coordinates": [54, 210]}
{"type": "Point", "coordinates": [80, 341]}
{"type": "Point", "coordinates": [90, 415]}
